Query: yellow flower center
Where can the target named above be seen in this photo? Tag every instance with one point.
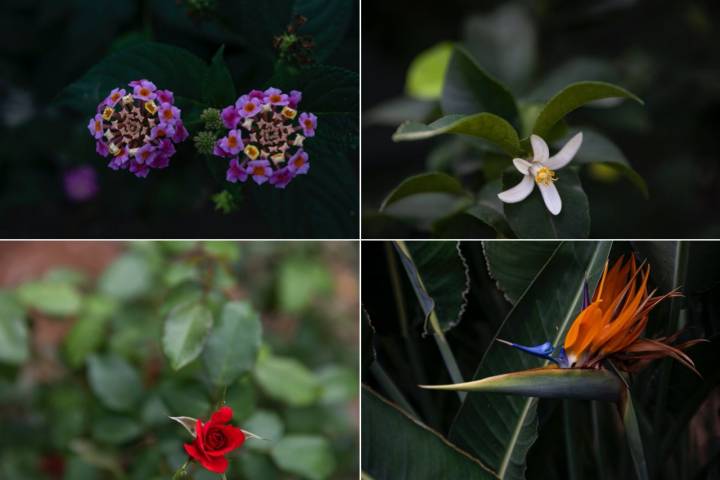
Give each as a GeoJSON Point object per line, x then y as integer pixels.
{"type": "Point", "coordinates": [108, 113]}
{"type": "Point", "coordinates": [151, 107]}
{"type": "Point", "coordinates": [545, 176]}
{"type": "Point", "coordinates": [258, 171]}
{"type": "Point", "coordinates": [289, 113]}
{"type": "Point", "coordinates": [144, 92]}
{"type": "Point", "coordinates": [275, 98]}
{"type": "Point", "coordinates": [232, 141]}
{"type": "Point", "coordinates": [249, 107]}
{"type": "Point", "coordinates": [252, 152]}
{"type": "Point", "coordinates": [98, 126]}
{"type": "Point", "coordinates": [299, 162]}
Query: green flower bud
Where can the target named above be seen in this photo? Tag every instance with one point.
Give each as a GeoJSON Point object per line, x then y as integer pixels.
{"type": "Point", "coordinates": [211, 117]}
{"type": "Point", "coordinates": [204, 142]}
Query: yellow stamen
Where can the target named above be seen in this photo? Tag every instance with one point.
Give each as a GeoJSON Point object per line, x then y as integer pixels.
{"type": "Point", "coordinates": [151, 107]}
{"type": "Point", "coordinates": [289, 113]}
{"type": "Point", "coordinates": [252, 152]}
{"type": "Point", "coordinates": [108, 113]}
{"type": "Point", "coordinates": [545, 176]}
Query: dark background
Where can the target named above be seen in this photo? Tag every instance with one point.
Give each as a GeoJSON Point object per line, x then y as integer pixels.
{"type": "Point", "coordinates": [663, 51]}
{"type": "Point", "coordinates": [47, 44]}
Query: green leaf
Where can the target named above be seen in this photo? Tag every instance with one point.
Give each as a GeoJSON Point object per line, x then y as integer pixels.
{"type": "Point", "coordinates": [306, 455]}
{"type": "Point", "coordinates": [596, 148]}
{"type": "Point", "coordinates": [114, 381]}
{"type": "Point", "coordinates": [397, 446]}
{"type": "Point", "coordinates": [218, 89]}
{"type": "Point", "coordinates": [127, 278]}
{"type": "Point", "coordinates": [186, 328]}
{"type": "Point", "coordinates": [88, 332]}
{"type": "Point", "coordinates": [531, 218]}
{"type": "Point", "coordinates": [500, 429]}
{"type": "Point", "coordinates": [469, 89]}
{"type": "Point", "coordinates": [267, 425]}
{"type": "Point", "coordinates": [487, 126]}
{"type": "Point", "coordinates": [573, 71]}
{"type": "Point", "coordinates": [426, 198]}
{"type": "Point", "coordinates": [14, 348]}
{"type": "Point", "coordinates": [166, 66]}
{"type": "Point", "coordinates": [115, 430]}
{"type": "Point", "coordinates": [426, 73]}
{"type": "Point", "coordinates": [547, 382]}
{"type": "Point", "coordinates": [233, 345]}
{"type": "Point", "coordinates": [573, 97]}
{"type": "Point", "coordinates": [634, 438]}
{"type": "Point", "coordinates": [287, 380]}
{"type": "Point", "coordinates": [50, 297]}
{"type": "Point", "coordinates": [339, 384]}
{"type": "Point", "coordinates": [489, 209]}
{"type": "Point", "coordinates": [514, 267]}
{"type": "Point", "coordinates": [300, 282]}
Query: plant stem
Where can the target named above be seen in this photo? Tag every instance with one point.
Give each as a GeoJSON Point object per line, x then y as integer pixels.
{"type": "Point", "coordinates": [598, 446]}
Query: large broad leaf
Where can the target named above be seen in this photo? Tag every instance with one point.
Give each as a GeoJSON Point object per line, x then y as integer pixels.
{"type": "Point", "coordinates": [397, 447]}
{"type": "Point", "coordinates": [500, 429]}
{"type": "Point", "coordinates": [287, 380]}
{"type": "Point", "coordinates": [114, 381]}
{"type": "Point", "coordinates": [573, 97]}
{"type": "Point", "coordinates": [309, 456]}
{"type": "Point", "coordinates": [14, 345]}
{"type": "Point", "coordinates": [127, 278]}
{"type": "Point", "coordinates": [530, 218]}
{"type": "Point", "coordinates": [232, 347]}
{"type": "Point", "coordinates": [439, 276]}
{"type": "Point", "coordinates": [487, 126]}
{"type": "Point", "coordinates": [218, 89]}
{"type": "Point", "coordinates": [168, 67]}
{"type": "Point", "coordinates": [469, 89]}
{"type": "Point", "coordinates": [489, 209]}
{"type": "Point", "coordinates": [426, 73]}
{"type": "Point", "coordinates": [186, 328]}
{"type": "Point", "coordinates": [514, 266]}
{"type": "Point", "coordinates": [426, 198]}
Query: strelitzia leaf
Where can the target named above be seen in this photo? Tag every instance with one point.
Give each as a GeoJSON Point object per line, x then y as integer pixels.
{"type": "Point", "coordinates": [547, 382]}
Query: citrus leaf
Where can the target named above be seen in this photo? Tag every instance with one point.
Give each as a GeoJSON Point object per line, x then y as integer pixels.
{"type": "Point", "coordinates": [426, 73]}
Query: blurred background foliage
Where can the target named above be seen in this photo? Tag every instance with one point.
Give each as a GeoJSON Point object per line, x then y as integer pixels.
{"type": "Point", "coordinates": [46, 45]}
{"type": "Point", "coordinates": [90, 333]}
{"type": "Point", "coordinates": [658, 50]}
{"type": "Point", "coordinates": [441, 330]}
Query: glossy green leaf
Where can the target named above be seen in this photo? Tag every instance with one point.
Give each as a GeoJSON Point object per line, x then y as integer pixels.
{"type": "Point", "coordinates": [489, 209]}
{"type": "Point", "coordinates": [14, 344]}
{"type": "Point", "coordinates": [309, 456]}
{"type": "Point", "coordinates": [514, 266]}
{"type": "Point", "coordinates": [218, 89]}
{"type": "Point", "coordinates": [596, 148]}
{"type": "Point", "coordinates": [128, 277]}
{"type": "Point", "coordinates": [500, 429]}
{"type": "Point", "coordinates": [232, 347]}
{"type": "Point", "coordinates": [114, 381]}
{"type": "Point", "coordinates": [267, 425]}
{"type": "Point", "coordinates": [426, 73]}
{"type": "Point", "coordinates": [287, 380]}
{"type": "Point", "coordinates": [568, 383]}
{"type": "Point", "coordinates": [397, 446]}
{"type": "Point", "coordinates": [530, 218]}
{"type": "Point", "coordinates": [573, 97]}
{"type": "Point", "coordinates": [186, 328]}
{"type": "Point", "coordinates": [469, 89]}
{"type": "Point", "coordinates": [50, 297]}
{"type": "Point", "coordinates": [487, 126]}
{"type": "Point", "coordinates": [88, 332]}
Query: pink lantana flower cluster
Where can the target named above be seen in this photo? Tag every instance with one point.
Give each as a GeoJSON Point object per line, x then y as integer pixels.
{"type": "Point", "coordinates": [138, 128]}
{"type": "Point", "coordinates": [265, 137]}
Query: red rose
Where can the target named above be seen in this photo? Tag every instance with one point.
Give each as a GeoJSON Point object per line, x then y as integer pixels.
{"type": "Point", "coordinates": [214, 440]}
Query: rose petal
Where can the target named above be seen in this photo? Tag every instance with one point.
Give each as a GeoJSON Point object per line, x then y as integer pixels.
{"type": "Point", "coordinates": [214, 464]}
{"type": "Point", "coordinates": [222, 416]}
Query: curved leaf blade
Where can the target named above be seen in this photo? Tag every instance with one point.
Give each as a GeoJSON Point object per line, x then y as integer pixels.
{"type": "Point", "coordinates": [487, 126]}
{"type": "Point", "coordinates": [425, 75]}
{"type": "Point", "coordinates": [514, 269]}
{"type": "Point", "coordinates": [573, 97]}
{"type": "Point", "coordinates": [186, 329]}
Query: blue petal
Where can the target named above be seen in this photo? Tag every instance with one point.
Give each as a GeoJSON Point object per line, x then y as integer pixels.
{"type": "Point", "coordinates": [586, 296]}
{"type": "Point", "coordinates": [543, 351]}
{"type": "Point", "coordinates": [561, 359]}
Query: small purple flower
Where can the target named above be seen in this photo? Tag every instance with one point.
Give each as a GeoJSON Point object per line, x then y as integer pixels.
{"type": "Point", "coordinates": [274, 96]}
{"type": "Point", "coordinates": [165, 96]}
{"type": "Point", "coordinates": [115, 95]}
{"type": "Point", "coordinates": [164, 130]}
{"type": "Point", "coordinates": [120, 160]}
{"type": "Point", "coordinates": [181, 134]}
{"type": "Point", "coordinates": [235, 172]}
{"type": "Point", "coordinates": [248, 106]}
{"type": "Point", "coordinates": [168, 114]}
{"type": "Point", "coordinates": [280, 178]}
{"type": "Point", "coordinates": [233, 143]}
{"type": "Point", "coordinates": [259, 170]}
{"type": "Point", "coordinates": [294, 98]}
{"type": "Point", "coordinates": [139, 169]}
{"type": "Point", "coordinates": [96, 126]}
{"type": "Point", "coordinates": [101, 148]}
{"type": "Point", "coordinates": [145, 154]}
{"type": "Point", "coordinates": [166, 148]}
{"type": "Point", "coordinates": [159, 161]}
{"type": "Point", "coordinates": [308, 122]}
{"type": "Point", "coordinates": [80, 183]}
{"type": "Point", "coordinates": [230, 117]}
{"type": "Point", "coordinates": [259, 94]}
{"type": "Point", "coordinates": [218, 150]}
{"type": "Point", "coordinates": [144, 90]}
{"type": "Point", "coordinates": [299, 163]}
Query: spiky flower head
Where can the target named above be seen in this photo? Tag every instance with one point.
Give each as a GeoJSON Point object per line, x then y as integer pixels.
{"type": "Point", "coordinates": [138, 129]}
{"type": "Point", "coordinates": [265, 137]}
{"type": "Point", "coordinates": [211, 118]}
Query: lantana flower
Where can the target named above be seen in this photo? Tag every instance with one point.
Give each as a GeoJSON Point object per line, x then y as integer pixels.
{"type": "Point", "coordinates": [265, 137]}
{"type": "Point", "coordinates": [541, 171]}
{"type": "Point", "coordinates": [138, 130]}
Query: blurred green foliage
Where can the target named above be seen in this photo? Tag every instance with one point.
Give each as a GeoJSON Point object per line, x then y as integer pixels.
{"type": "Point", "coordinates": [176, 329]}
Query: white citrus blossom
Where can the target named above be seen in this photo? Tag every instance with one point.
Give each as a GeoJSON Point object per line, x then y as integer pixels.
{"type": "Point", "coordinates": [541, 170]}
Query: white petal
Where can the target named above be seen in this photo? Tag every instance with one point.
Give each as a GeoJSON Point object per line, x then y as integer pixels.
{"type": "Point", "coordinates": [519, 192]}
{"type": "Point", "coordinates": [540, 149]}
{"type": "Point", "coordinates": [566, 153]}
{"type": "Point", "coordinates": [521, 165]}
{"type": "Point", "coordinates": [551, 197]}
